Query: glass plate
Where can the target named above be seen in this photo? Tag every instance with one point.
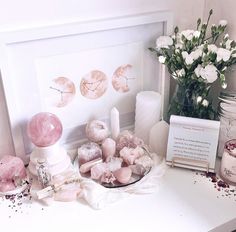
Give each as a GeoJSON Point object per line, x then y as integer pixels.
{"type": "Point", "coordinates": [134, 178]}
{"type": "Point", "coordinates": [16, 191]}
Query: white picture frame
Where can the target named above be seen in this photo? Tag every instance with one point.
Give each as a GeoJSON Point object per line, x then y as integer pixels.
{"type": "Point", "coordinates": [21, 48]}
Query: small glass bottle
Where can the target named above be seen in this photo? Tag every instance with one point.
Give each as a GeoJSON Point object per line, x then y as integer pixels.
{"type": "Point", "coordinates": [227, 113]}
{"type": "Point", "coordinates": [228, 162]}
{"type": "Point", "coordinates": [44, 176]}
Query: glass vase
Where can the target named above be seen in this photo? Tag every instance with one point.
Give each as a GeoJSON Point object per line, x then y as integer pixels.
{"type": "Point", "coordinates": [191, 99]}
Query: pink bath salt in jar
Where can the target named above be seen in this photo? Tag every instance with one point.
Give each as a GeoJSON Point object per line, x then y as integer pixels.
{"type": "Point", "coordinates": [228, 162]}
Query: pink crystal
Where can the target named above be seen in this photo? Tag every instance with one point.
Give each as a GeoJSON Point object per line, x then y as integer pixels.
{"type": "Point", "coordinates": [123, 175]}
{"type": "Point", "coordinates": [108, 149]}
{"type": "Point", "coordinates": [96, 131]}
{"type": "Point", "coordinates": [114, 164]}
{"type": "Point", "coordinates": [127, 139]}
{"type": "Point", "coordinates": [69, 192]}
{"type": "Point", "coordinates": [98, 170]}
{"type": "Point", "coordinates": [7, 186]}
{"type": "Point", "coordinates": [44, 129]}
{"type": "Point", "coordinates": [129, 155]}
{"type": "Point", "coordinates": [108, 177]}
{"type": "Point", "coordinates": [145, 161]}
{"type": "Point", "coordinates": [86, 167]}
{"type": "Point", "coordinates": [137, 169]}
{"type": "Point", "coordinates": [89, 151]}
{"type": "Point", "coordinates": [11, 167]}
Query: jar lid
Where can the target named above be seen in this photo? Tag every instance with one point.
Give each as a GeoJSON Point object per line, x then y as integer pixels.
{"type": "Point", "coordinates": [227, 110]}
{"type": "Point", "coordinates": [228, 94]}
{"type": "Point", "coordinates": [228, 97]}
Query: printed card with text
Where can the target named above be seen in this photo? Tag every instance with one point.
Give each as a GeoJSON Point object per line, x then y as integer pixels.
{"type": "Point", "coordinates": [192, 143]}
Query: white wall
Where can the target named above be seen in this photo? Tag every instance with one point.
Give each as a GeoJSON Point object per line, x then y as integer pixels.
{"type": "Point", "coordinates": [15, 12]}
{"type": "Point", "coordinates": [225, 10]}
{"type": "Point", "coordinates": [26, 11]}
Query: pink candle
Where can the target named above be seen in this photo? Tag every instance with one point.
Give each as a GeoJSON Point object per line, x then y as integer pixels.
{"type": "Point", "coordinates": [228, 162]}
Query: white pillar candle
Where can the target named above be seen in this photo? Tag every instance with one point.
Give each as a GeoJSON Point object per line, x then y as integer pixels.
{"type": "Point", "coordinates": [158, 138]}
{"type": "Point", "coordinates": [115, 123]}
{"type": "Point", "coordinates": [147, 113]}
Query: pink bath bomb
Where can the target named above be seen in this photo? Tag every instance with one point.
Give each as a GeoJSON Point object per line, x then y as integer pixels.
{"type": "Point", "coordinates": [44, 129]}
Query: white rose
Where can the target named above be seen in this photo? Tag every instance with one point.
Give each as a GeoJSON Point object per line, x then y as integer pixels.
{"type": "Point", "coordinates": [223, 69]}
{"type": "Point", "coordinates": [177, 50]}
{"type": "Point", "coordinates": [223, 22]}
{"type": "Point", "coordinates": [196, 34]}
{"type": "Point", "coordinates": [197, 70]}
{"type": "Point", "coordinates": [162, 59]}
{"type": "Point", "coordinates": [226, 36]}
{"type": "Point", "coordinates": [223, 54]}
{"type": "Point", "coordinates": [199, 99]}
{"type": "Point", "coordinates": [224, 85]}
{"type": "Point", "coordinates": [227, 44]}
{"type": "Point", "coordinates": [184, 54]}
{"type": "Point", "coordinates": [180, 72]}
{"type": "Point", "coordinates": [179, 45]}
{"type": "Point", "coordinates": [200, 47]}
{"type": "Point", "coordinates": [234, 54]}
{"type": "Point", "coordinates": [205, 103]}
{"type": "Point", "coordinates": [188, 58]}
{"type": "Point", "coordinates": [163, 42]}
{"type": "Point", "coordinates": [209, 73]}
{"type": "Point", "coordinates": [212, 48]}
{"type": "Point", "coordinates": [196, 54]}
{"type": "Point", "coordinates": [189, 34]}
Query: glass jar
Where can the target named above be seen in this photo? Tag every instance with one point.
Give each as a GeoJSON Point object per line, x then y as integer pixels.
{"type": "Point", "coordinates": [44, 176]}
{"type": "Point", "coordinates": [228, 162]}
{"type": "Point", "coordinates": [227, 114]}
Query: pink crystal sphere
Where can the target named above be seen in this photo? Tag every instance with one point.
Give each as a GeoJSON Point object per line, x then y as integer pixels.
{"type": "Point", "coordinates": [44, 129]}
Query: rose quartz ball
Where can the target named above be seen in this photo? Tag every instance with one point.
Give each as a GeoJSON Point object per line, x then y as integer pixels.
{"type": "Point", "coordinates": [44, 129]}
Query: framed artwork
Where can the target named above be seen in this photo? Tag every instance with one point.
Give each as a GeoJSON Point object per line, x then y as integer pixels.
{"type": "Point", "coordinates": [79, 71]}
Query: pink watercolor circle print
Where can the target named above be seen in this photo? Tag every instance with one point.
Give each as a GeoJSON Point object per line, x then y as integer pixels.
{"type": "Point", "coordinates": [94, 84]}
{"type": "Point", "coordinates": [63, 90]}
{"type": "Point", "coordinates": [44, 129]}
{"type": "Point", "coordinates": [122, 78]}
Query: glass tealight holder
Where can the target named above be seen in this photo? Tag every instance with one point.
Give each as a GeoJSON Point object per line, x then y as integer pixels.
{"type": "Point", "coordinates": [228, 162]}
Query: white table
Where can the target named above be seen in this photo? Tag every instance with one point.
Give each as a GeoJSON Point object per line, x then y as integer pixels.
{"type": "Point", "coordinates": [184, 202]}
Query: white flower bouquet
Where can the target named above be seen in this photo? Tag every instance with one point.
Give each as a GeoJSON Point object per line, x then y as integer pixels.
{"type": "Point", "coordinates": [196, 60]}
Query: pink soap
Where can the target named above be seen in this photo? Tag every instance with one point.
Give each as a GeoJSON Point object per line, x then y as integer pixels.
{"type": "Point", "coordinates": [11, 167]}
{"type": "Point", "coordinates": [44, 129]}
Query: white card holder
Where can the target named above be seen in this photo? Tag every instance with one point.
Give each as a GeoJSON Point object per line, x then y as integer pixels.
{"type": "Point", "coordinates": [192, 143]}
